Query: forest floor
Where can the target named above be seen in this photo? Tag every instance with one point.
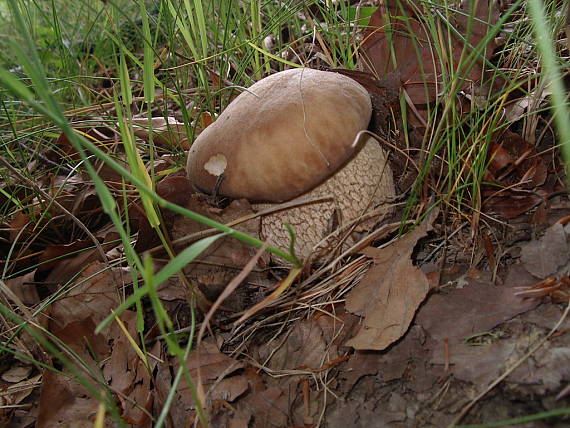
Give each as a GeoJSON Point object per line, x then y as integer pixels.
{"type": "Point", "coordinates": [451, 310]}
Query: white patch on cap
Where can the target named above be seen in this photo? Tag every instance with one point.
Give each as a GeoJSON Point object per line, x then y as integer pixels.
{"type": "Point", "coordinates": [216, 165]}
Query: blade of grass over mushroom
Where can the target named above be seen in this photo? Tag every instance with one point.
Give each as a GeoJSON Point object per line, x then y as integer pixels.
{"type": "Point", "coordinates": [274, 57]}
{"type": "Point", "coordinates": [172, 267]}
{"type": "Point", "coordinates": [292, 238]}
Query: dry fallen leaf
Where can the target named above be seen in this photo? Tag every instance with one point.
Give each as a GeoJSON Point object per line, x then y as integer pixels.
{"type": "Point", "coordinates": [126, 373]}
{"type": "Point", "coordinates": [510, 203]}
{"type": "Point", "coordinates": [546, 370]}
{"type": "Point", "coordinates": [269, 407]}
{"type": "Point", "coordinates": [473, 311]}
{"type": "Point", "coordinates": [64, 403]}
{"type": "Point", "coordinates": [174, 188]}
{"type": "Point", "coordinates": [223, 260]}
{"type": "Point", "coordinates": [16, 374]}
{"type": "Point", "coordinates": [94, 294]}
{"type": "Point", "coordinates": [25, 288]}
{"type": "Point", "coordinates": [53, 255]}
{"type": "Point", "coordinates": [388, 366]}
{"type": "Point", "coordinates": [516, 176]}
{"type": "Point", "coordinates": [14, 394]}
{"type": "Point", "coordinates": [221, 377]}
{"type": "Point", "coordinates": [476, 307]}
{"type": "Point", "coordinates": [546, 256]}
{"type": "Point", "coordinates": [390, 293]}
{"type": "Point", "coordinates": [306, 347]}
{"type": "Point", "coordinates": [513, 161]}
{"type": "Point", "coordinates": [211, 362]}
{"type": "Point", "coordinates": [479, 365]}
{"type": "Point", "coordinates": [63, 400]}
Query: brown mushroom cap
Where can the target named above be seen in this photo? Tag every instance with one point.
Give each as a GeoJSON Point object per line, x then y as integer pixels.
{"type": "Point", "coordinates": [282, 137]}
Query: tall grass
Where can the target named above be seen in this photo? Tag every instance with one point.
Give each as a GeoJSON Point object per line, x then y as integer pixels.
{"type": "Point", "coordinates": [34, 84]}
{"type": "Point", "coordinates": [547, 25]}
{"type": "Point", "coordinates": [459, 135]}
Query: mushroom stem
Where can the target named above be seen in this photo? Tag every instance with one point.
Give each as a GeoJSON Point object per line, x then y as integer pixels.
{"type": "Point", "coordinates": [364, 183]}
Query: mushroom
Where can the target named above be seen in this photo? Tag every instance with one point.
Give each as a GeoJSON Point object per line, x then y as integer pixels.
{"type": "Point", "coordinates": [290, 135]}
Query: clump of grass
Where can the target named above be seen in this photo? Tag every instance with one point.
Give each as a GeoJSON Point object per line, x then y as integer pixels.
{"type": "Point", "coordinates": [45, 87]}
{"type": "Point", "coordinates": [467, 117]}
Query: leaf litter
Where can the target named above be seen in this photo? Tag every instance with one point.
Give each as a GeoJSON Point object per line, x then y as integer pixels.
{"type": "Point", "coordinates": [389, 295]}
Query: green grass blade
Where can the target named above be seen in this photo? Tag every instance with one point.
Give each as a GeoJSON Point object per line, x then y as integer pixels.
{"type": "Point", "coordinates": [171, 268]}
{"type": "Point", "coordinates": [148, 58]}
{"type": "Point", "coordinates": [543, 34]}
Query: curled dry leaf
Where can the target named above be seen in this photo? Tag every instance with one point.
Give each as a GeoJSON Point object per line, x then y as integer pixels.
{"type": "Point", "coordinates": [514, 161]}
{"type": "Point", "coordinates": [515, 171]}
{"type": "Point", "coordinates": [25, 288]}
{"type": "Point", "coordinates": [390, 293]}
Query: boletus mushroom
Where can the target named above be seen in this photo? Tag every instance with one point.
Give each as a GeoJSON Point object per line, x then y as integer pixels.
{"type": "Point", "coordinates": [290, 135]}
